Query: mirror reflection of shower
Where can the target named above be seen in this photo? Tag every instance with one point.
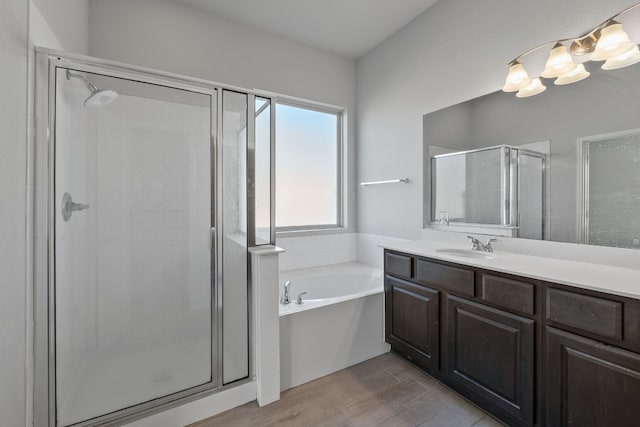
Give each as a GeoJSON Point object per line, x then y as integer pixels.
{"type": "Point", "coordinates": [98, 97]}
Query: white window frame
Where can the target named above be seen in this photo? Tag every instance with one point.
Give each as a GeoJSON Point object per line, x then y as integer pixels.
{"type": "Point", "coordinates": [340, 138]}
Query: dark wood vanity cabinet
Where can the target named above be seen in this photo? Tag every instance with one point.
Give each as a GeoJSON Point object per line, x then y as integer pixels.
{"type": "Point", "coordinates": [411, 319]}
{"type": "Point", "coordinates": [590, 383]}
{"type": "Point", "coordinates": [490, 354]}
{"type": "Point", "coordinates": [530, 352]}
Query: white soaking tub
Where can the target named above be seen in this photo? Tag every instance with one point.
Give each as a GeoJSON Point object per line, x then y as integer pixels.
{"type": "Point", "coordinates": [339, 324]}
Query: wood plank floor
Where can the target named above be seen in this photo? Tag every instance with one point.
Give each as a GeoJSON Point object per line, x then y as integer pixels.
{"type": "Point", "coordinates": [384, 391]}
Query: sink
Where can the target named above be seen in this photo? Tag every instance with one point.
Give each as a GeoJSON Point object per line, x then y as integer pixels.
{"type": "Point", "coordinates": [466, 253]}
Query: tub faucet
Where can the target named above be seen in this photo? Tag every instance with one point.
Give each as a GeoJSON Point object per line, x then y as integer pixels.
{"type": "Point", "coordinates": [299, 299]}
{"type": "Point", "coordinates": [285, 293]}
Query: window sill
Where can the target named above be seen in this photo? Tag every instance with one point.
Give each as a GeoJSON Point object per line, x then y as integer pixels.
{"type": "Point", "coordinates": [310, 232]}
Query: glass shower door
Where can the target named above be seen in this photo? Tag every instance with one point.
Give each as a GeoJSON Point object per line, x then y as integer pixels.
{"type": "Point", "coordinates": [531, 171]}
{"type": "Point", "coordinates": [612, 190]}
{"type": "Point", "coordinates": [133, 292]}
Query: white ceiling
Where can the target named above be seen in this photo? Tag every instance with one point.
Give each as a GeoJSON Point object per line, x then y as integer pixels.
{"type": "Point", "coordinates": [346, 27]}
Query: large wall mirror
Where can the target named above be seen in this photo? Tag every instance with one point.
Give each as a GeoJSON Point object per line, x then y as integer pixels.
{"type": "Point", "coordinates": [586, 186]}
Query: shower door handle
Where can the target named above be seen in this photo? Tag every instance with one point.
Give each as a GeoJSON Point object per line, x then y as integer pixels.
{"type": "Point", "coordinates": [69, 206]}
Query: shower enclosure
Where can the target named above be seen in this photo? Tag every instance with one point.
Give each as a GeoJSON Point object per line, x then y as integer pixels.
{"type": "Point", "coordinates": [500, 187]}
{"type": "Point", "coordinates": [146, 206]}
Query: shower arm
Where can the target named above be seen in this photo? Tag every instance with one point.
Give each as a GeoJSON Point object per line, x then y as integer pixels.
{"type": "Point", "coordinates": [93, 88]}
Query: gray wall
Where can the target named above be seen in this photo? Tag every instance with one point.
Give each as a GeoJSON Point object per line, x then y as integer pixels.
{"type": "Point", "coordinates": [13, 213]}
{"type": "Point", "coordinates": [455, 51]}
{"type": "Point", "coordinates": [66, 22]}
{"type": "Point", "coordinates": [169, 36]}
{"type": "Point", "coordinates": [158, 34]}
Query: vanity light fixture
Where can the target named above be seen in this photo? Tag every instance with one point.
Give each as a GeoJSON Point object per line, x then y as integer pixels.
{"type": "Point", "coordinates": [613, 42]}
{"type": "Point", "coordinates": [534, 88]}
{"type": "Point", "coordinates": [577, 74]}
{"type": "Point", "coordinates": [560, 62]}
{"type": "Point", "coordinates": [517, 78]}
{"type": "Point", "coordinates": [606, 42]}
{"type": "Point", "coordinates": [624, 60]}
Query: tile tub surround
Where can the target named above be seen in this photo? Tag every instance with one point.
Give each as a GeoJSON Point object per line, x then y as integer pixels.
{"type": "Point", "coordinates": [383, 391]}
{"type": "Point", "coordinates": [369, 248]}
{"type": "Point", "coordinates": [314, 251]}
{"type": "Point", "coordinates": [327, 249]}
{"type": "Point", "coordinates": [613, 279]}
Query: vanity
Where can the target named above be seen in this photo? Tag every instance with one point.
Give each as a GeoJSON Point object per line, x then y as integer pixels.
{"type": "Point", "coordinates": [550, 338]}
{"type": "Point", "coordinates": [534, 341]}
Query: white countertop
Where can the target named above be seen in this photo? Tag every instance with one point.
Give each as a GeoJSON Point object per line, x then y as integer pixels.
{"type": "Point", "coordinates": [598, 277]}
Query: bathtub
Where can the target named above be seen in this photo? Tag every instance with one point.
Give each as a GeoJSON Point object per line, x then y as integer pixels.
{"type": "Point", "coordinates": [340, 322]}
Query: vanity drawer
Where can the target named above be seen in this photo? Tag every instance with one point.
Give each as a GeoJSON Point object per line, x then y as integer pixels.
{"type": "Point", "coordinates": [508, 293]}
{"type": "Point", "coordinates": [398, 265]}
{"type": "Point", "coordinates": [455, 279]}
{"type": "Point", "coordinates": [590, 314]}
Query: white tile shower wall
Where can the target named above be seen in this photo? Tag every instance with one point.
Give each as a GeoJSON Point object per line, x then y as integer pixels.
{"type": "Point", "coordinates": [368, 248]}
{"type": "Point", "coordinates": [313, 251]}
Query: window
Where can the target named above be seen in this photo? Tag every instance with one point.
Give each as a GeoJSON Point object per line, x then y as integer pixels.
{"type": "Point", "coordinates": [308, 167]}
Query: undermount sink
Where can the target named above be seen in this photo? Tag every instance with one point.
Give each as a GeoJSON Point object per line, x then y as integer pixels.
{"type": "Point", "coordinates": [466, 253]}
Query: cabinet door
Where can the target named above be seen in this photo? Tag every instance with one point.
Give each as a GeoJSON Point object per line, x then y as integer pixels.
{"type": "Point", "coordinates": [411, 321]}
{"type": "Point", "coordinates": [490, 358]}
{"type": "Point", "coordinates": [590, 383]}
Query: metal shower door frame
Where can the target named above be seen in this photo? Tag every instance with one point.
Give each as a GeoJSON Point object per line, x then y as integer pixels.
{"type": "Point", "coordinates": [519, 152]}
{"type": "Point", "coordinates": [47, 62]}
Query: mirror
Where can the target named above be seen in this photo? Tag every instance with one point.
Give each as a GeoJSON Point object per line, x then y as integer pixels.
{"type": "Point", "coordinates": [589, 133]}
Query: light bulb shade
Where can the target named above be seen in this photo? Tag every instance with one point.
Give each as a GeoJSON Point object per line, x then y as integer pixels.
{"type": "Point", "coordinates": [558, 63]}
{"type": "Point", "coordinates": [624, 60]}
{"type": "Point", "coordinates": [517, 78]}
{"type": "Point", "coordinates": [534, 88]}
{"type": "Point", "coordinates": [613, 42]}
{"type": "Point", "coordinates": [575, 75]}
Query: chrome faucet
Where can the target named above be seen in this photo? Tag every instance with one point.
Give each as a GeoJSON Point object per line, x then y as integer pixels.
{"type": "Point", "coordinates": [444, 217]}
{"type": "Point", "coordinates": [477, 245]}
{"type": "Point", "coordinates": [285, 293]}
{"type": "Point", "coordinates": [299, 299]}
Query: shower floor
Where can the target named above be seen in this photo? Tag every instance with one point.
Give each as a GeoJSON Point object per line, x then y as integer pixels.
{"type": "Point", "coordinates": [110, 380]}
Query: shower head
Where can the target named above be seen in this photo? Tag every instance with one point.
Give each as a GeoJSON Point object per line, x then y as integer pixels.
{"type": "Point", "coordinates": [98, 97]}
